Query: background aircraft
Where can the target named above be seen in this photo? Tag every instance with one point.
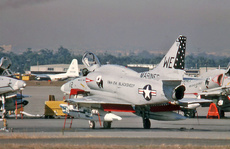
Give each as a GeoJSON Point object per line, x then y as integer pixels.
{"type": "Point", "coordinates": [213, 85]}
{"type": "Point", "coordinates": [71, 73]}
{"type": "Point", "coordinates": [152, 95]}
{"type": "Point", "coordinates": [8, 89]}
{"type": "Point", "coordinates": [5, 64]}
{"type": "Point", "coordinates": [12, 100]}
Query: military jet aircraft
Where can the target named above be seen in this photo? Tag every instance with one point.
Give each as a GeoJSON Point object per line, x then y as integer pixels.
{"type": "Point", "coordinates": [5, 64]}
{"type": "Point", "coordinates": [152, 95]}
{"type": "Point", "coordinates": [213, 85]}
{"type": "Point", "coordinates": [13, 100]}
{"type": "Point", "coordinates": [8, 90]}
{"type": "Point", "coordinates": [9, 87]}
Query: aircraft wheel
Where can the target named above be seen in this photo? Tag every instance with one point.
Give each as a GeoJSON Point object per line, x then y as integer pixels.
{"type": "Point", "coordinates": [190, 113]}
{"type": "Point", "coordinates": [107, 125]}
{"type": "Point", "coordinates": [91, 124]}
{"type": "Point", "coordinates": [146, 123]}
{"type": "Point", "coordinates": [221, 112]}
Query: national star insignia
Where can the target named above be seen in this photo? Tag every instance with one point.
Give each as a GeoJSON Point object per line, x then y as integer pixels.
{"type": "Point", "coordinates": [147, 92]}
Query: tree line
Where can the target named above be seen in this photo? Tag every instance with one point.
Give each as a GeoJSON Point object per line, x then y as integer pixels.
{"type": "Point", "coordinates": [22, 62]}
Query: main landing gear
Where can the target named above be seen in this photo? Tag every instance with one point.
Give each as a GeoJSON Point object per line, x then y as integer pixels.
{"type": "Point", "coordinates": [190, 113]}
{"type": "Point", "coordinates": [143, 111]}
{"type": "Point", "coordinates": [3, 99]}
{"type": "Point", "coordinates": [146, 123]}
{"type": "Point", "coordinates": [91, 124]}
{"type": "Point", "coordinates": [106, 124]}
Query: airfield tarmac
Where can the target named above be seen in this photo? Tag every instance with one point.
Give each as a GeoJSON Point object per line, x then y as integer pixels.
{"type": "Point", "coordinates": [128, 131]}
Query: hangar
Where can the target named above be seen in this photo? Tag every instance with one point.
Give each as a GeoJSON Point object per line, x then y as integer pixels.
{"type": "Point", "coordinates": [52, 69]}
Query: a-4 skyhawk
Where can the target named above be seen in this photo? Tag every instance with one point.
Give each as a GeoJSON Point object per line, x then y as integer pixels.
{"type": "Point", "coordinates": [9, 87]}
{"type": "Point", "coordinates": [107, 88]}
{"type": "Point", "coordinates": [213, 85]}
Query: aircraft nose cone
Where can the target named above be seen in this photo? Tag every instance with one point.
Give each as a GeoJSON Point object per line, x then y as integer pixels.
{"type": "Point", "coordinates": [24, 85]}
{"type": "Point", "coordinates": [21, 84]}
{"type": "Point", "coordinates": [63, 88]}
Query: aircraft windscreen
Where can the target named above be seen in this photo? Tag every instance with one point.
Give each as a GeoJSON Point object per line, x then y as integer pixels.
{"type": "Point", "coordinates": [91, 61]}
{"type": "Point", "coordinates": [5, 63]}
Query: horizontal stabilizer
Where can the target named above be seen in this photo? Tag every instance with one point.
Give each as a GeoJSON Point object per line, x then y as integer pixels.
{"type": "Point", "coordinates": [187, 101]}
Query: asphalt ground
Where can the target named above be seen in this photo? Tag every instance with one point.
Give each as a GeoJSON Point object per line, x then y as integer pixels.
{"type": "Point", "coordinates": [128, 131]}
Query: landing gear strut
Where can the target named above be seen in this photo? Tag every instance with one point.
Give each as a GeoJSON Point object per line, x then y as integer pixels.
{"type": "Point", "coordinates": [191, 113]}
{"type": "Point", "coordinates": [3, 115]}
{"type": "Point", "coordinates": [221, 112]}
{"type": "Point", "coordinates": [107, 125]}
{"type": "Point", "coordinates": [91, 124]}
{"type": "Point", "coordinates": [146, 123]}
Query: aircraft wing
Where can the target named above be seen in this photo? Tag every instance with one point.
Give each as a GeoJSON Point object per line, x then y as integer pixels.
{"type": "Point", "coordinates": [216, 91]}
{"type": "Point", "coordinates": [109, 104]}
{"type": "Point", "coordinates": [93, 100]}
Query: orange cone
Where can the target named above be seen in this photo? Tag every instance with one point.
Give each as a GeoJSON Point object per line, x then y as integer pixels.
{"type": "Point", "coordinates": [213, 112]}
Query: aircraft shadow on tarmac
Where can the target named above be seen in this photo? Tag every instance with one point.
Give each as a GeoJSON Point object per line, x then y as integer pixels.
{"type": "Point", "coordinates": [119, 129]}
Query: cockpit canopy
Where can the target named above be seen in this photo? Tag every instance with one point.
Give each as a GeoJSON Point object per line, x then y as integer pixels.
{"type": "Point", "coordinates": [5, 64]}
{"type": "Point", "coordinates": [91, 61]}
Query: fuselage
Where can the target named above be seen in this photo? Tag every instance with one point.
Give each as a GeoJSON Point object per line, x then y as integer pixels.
{"type": "Point", "coordinates": [207, 82]}
{"type": "Point", "coordinates": [9, 84]}
{"type": "Point", "coordinates": [122, 83]}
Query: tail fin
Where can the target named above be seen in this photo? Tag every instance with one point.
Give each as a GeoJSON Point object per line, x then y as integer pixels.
{"type": "Point", "coordinates": [73, 69]}
{"type": "Point", "coordinates": [228, 69]}
{"type": "Point", "coordinates": [172, 65]}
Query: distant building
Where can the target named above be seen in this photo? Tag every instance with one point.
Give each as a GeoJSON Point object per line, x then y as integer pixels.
{"type": "Point", "coordinates": [206, 69]}
{"type": "Point", "coordinates": [6, 48]}
{"type": "Point", "coordinates": [52, 69]}
{"type": "Point", "coordinates": [189, 72]}
{"type": "Point", "coordinates": [201, 71]}
{"type": "Point", "coordinates": [192, 72]}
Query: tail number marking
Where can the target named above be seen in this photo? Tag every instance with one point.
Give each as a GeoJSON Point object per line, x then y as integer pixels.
{"type": "Point", "coordinates": [168, 62]}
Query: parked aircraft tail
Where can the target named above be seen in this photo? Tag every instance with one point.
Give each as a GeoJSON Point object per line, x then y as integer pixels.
{"type": "Point", "coordinates": [172, 65]}
{"type": "Point", "coordinates": [73, 69]}
{"type": "Point", "coordinates": [228, 69]}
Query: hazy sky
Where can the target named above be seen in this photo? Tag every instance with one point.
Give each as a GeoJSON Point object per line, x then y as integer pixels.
{"type": "Point", "coordinates": [116, 24]}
